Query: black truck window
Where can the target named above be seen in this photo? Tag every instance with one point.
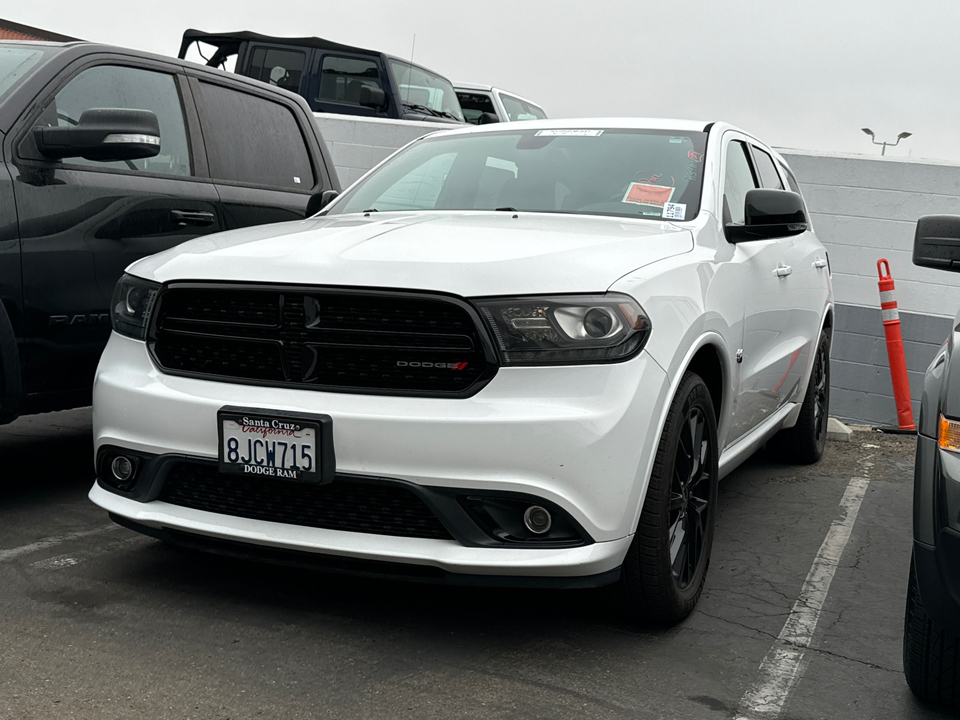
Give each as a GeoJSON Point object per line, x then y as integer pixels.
{"type": "Point", "coordinates": [115, 86]}
{"type": "Point", "coordinates": [341, 79]}
{"type": "Point", "coordinates": [253, 140]}
{"type": "Point", "coordinates": [282, 68]}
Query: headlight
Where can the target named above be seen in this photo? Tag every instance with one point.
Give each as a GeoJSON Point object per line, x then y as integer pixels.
{"type": "Point", "coordinates": [133, 301]}
{"type": "Point", "coordinates": [572, 329]}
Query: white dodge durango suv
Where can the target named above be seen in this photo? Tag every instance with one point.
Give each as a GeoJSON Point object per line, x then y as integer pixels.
{"type": "Point", "coordinates": [518, 354]}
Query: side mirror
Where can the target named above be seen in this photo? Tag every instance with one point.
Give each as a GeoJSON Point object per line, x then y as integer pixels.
{"type": "Point", "coordinates": [937, 242]}
{"type": "Point", "coordinates": [372, 97]}
{"type": "Point", "coordinates": [103, 134]}
{"type": "Point", "coordinates": [318, 202]}
{"type": "Point", "coordinates": [769, 214]}
{"type": "Point", "coordinates": [487, 118]}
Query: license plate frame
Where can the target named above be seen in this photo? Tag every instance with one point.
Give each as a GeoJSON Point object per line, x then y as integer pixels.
{"type": "Point", "coordinates": [279, 425]}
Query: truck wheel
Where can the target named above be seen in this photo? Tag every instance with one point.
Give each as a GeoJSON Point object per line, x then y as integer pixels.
{"type": "Point", "coordinates": [664, 570]}
{"type": "Point", "coordinates": [805, 441]}
{"type": "Point", "coordinates": [931, 655]}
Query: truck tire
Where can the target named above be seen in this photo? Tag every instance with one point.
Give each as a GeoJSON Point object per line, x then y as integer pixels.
{"type": "Point", "coordinates": [931, 655]}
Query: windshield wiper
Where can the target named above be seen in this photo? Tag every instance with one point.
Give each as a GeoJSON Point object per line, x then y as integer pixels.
{"type": "Point", "coordinates": [430, 110]}
{"type": "Point", "coordinates": [371, 210]}
{"type": "Point", "coordinates": [507, 209]}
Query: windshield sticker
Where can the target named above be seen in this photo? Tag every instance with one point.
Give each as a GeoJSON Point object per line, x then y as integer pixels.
{"type": "Point", "coordinates": [695, 156]}
{"type": "Point", "coordinates": [674, 211]}
{"type": "Point", "coordinates": [569, 133]}
{"type": "Point", "coordinates": [644, 194]}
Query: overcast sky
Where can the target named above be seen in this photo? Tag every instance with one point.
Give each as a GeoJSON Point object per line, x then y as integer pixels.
{"type": "Point", "coordinates": [797, 73]}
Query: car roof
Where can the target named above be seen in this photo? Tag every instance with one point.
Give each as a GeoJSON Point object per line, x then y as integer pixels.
{"type": "Point", "coordinates": [589, 123]}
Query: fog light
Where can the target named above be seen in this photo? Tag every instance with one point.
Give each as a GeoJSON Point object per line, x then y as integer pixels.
{"type": "Point", "coordinates": [537, 519]}
{"type": "Point", "coordinates": [121, 468]}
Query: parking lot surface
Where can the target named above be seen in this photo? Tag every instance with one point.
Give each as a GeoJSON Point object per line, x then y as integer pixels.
{"type": "Point", "coordinates": [99, 622]}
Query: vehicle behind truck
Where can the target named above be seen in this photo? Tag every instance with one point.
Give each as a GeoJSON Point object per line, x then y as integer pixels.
{"type": "Point", "coordinates": [333, 78]}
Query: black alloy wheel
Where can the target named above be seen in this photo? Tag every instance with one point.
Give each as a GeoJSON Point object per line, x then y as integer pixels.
{"type": "Point", "coordinates": [663, 573]}
{"type": "Point", "coordinates": [691, 496]}
{"type": "Point", "coordinates": [804, 442]}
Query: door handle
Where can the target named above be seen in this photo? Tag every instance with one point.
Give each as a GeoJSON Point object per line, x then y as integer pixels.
{"type": "Point", "coordinates": [192, 217]}
{"type": "Point", "coordinates": [782, 270]}
{"type": "Point", "coordinates": [819, 263]}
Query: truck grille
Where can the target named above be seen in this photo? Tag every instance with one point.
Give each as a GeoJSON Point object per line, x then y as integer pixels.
{"type": "Point", "coordinates": [351, 506]}
{"type": "Point", "coordinates": [326, 339]}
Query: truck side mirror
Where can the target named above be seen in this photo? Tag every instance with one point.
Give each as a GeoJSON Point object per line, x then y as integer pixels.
{"type": "Point", "coordinates": [103, 134]}
{"type": "Point", "coordinates": [372, 97]}
{"type": "Point", "coordinates": [769, 214]}
{"type": "Point", "coordinates": [937, 242]}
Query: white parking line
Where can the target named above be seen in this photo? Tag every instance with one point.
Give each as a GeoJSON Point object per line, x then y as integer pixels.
{"type": "Point", "coordinates": [12, 553]}
{"type": "Point", "coordinates": [783, 666]}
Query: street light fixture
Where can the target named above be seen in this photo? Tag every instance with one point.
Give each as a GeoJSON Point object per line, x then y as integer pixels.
{"type": "Point", "coordinates": [883, 150]}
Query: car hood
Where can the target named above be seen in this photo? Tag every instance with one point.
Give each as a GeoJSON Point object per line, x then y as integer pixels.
{"type": "Point", "coordinates": [469, 254]}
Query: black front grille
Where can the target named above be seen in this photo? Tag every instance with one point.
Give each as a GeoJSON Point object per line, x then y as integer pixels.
{"type": "Point", "coordinates": [354, 506]}
{"type": "Point", "coordinates": [327, 339]}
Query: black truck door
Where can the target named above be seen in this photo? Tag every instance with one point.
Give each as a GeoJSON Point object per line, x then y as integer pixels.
{"type": "Point", "coordinates": [259, 152]}
{"type": "Point", "coordinates": [82, 222]}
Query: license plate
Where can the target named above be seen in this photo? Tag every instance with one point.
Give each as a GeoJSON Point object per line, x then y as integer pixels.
{"type": "Point", "coordinates": [275, 445]}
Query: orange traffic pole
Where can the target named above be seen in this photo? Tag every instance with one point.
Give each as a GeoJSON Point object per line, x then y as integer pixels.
{"type": "Point", "coordinates": [898, 363]}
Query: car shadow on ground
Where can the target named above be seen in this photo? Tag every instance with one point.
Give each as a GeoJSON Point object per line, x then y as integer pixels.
{"type": "Point", "coordinates": [46, 458]}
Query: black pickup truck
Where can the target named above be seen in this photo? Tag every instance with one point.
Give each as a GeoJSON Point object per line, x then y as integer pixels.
{"type": "Point", "coordinates": [333, 78]}
{"type": "Point", "coordinates": [112, 154]}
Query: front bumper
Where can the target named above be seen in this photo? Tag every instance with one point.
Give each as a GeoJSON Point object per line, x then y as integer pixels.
{"type": "Point", "coordinates": [582, 438]}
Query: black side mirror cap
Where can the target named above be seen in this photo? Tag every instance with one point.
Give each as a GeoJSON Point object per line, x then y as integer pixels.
{"type": "Point", "coordinates": [769, 214]}
{"type": "Point", "coordinates": [103, 134]}
{"type": "Point", "coordinates": [487, 118]}
{"type": "Point", "coordinates": [373, 97]}
{"type": "Point", "coordinates": [318, 202]}
{"type": "Point", "coordinates": [936, 243]}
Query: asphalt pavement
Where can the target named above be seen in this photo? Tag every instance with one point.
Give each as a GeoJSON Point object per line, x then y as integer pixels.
{"type": "Point", "coordinates": [98, 622]}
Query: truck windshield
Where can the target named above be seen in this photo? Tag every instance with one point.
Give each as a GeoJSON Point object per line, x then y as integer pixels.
{"type": "Point", "coordinates": [592, 171]}
{"type": "Point", "coordinates": [419, 87]}
{"type": "Point", "coordinates": [16, 62]}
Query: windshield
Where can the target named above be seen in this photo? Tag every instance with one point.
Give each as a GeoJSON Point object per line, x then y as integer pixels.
{"type": "Point", "coordinates": [625, 173]}
{"type": "Point", "coordinates": [424, 88]}
{"type": "Point", "coordinates": [16, 62]}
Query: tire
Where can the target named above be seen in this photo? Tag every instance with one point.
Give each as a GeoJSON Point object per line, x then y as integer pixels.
{"type": "Point", "coordinates": [805, 441]}
{"type": "Point", "coordinates": [665, 568]}
{"type": "Point", "coordinates": [931, 655]}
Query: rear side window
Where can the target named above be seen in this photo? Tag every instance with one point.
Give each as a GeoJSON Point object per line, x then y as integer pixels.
{"type": "Point", "coordinates": [341, 79]}
{"type": "Point", "coordinates": [768, 171]}
{"type": "Point", "coordinates": [282, 68]}
{"type": "Point", "coordinates": [115, 86]}
{"type": "Point", "coordinates": [253, 140]}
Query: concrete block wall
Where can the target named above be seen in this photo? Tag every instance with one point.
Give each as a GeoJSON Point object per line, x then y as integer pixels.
{"type": "Point", "coordinates": [359, 143]}
{"type": "Point", "coordinates": [862, 208]}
